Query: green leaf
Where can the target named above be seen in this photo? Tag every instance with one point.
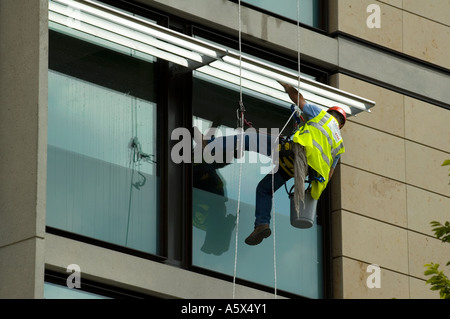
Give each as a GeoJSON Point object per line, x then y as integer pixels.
{"type": "Point", "coordinates": [446, 162]}
{"type": "Point", "coordinates": [429, 272]}
{"type": "Point", "coordinates": [438, 280]}
{"type": "Point", "coordinates": [441, 231]}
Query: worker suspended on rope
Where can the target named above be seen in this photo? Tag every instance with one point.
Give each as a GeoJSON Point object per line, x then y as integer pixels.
{"type": "Point", "coordinates": [317, 144]}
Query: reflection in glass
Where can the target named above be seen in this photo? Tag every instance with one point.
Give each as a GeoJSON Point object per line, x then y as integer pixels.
{"type": "Point", "coordinates": [102, 180]}
{"type": "Point", "coordinates": [209, 209]}
{"type": "Point", "coordinates": [102, 173]}
{"type": "Point", "coordinates": [309, 9]}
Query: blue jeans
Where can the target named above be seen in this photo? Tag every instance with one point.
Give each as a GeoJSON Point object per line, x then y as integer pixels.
{"type": "Point", "coordinates": [264, 194]}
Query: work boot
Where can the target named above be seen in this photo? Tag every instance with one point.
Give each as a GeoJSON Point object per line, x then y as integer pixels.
{"type": "Point", "coordinates": [260, 232]}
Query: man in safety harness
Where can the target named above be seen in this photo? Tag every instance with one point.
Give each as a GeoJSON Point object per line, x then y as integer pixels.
{"type": "Point", "coordinates": [315, 146]}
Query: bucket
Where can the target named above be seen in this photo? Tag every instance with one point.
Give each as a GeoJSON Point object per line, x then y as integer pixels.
{"type": "Point", "coordinates": [306, 216]}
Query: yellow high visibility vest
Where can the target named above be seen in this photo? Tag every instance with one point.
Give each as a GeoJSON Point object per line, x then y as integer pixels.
{"type": "Point", "coordinates": [322, 140]}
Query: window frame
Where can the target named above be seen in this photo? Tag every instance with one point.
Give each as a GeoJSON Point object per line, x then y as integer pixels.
{"type": "Point", "coordinates": [161, 68]}
{"type": "Point", "coordinates": [90, 286]}
{"type": "Point", "coordinates": [324, 204]}
{"type": "Point", "coordinates": [175, 110]}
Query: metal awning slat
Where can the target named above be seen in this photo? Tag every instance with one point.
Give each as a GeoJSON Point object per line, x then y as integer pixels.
{"type": "Point", "coordinates": [191, 53]}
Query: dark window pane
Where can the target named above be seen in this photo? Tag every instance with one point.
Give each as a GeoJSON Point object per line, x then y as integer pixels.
{"type": "Point", "coordinates": [309, 10]}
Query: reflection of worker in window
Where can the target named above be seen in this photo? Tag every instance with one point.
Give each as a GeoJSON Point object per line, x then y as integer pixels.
{"type": "Point", "coordinates": [317, 144]}
{"type": "Point", "coordinates": [209, 210]}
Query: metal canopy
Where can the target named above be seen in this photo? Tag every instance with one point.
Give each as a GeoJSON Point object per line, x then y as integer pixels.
{"type": "Point", "coordinates": [144, 36]}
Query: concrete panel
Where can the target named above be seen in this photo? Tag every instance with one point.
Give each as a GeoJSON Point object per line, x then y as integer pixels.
{"type": "Point", "coordinates": [23, 100]}
{"type": "Point", "coordinates": [419, 289]}
{"type": "Point", "coordinates": [425, 207]}
{"type": "Point", "coordinates": [395, 3]}
{"type": "Point", "coordinates": [427, 124]}
{"type": "Point", "coordinates": [353, 16]}
{"type": "Point", "coordinates": [394, 71]}
{"type": "Point", "coordinates": [436, 10]}
{"type": "Point", "coordinates": [142, 275]}
{"type": "Point", "coordinates": [426, 39]}
{"type": "Point", "coordinates": [373, 196]}
{"type": "Point", "coordinates": [356, 282]}
{"type": "Point", "coordinates": [22, 270]}
{"type": "Point", "coordinates": [374, 151]}
{"type": "Point", "coordinates": [23, 145]}
{"type": "Point", "coordinates": [370, 241]}
{"type": "Point", "coordinates": [424, 170]}
{"type": "Point", "coordinates": [387, 115]}
{"type": "Point", "coordinates": [424, 250]}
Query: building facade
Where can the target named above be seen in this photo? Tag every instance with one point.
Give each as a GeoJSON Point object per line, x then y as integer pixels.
{"type": "Point", "coordinates": [92, 94]}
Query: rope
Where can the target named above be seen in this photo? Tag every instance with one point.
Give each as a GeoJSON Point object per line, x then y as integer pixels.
{"type": "Point", "coordinates": [276, 140]}
{"type": "Point", "coordinates": [241, 122]}
{"type": "Point", "coordinates": [273, 212]}
{"type": "Point", "coordinates": [298, 48]}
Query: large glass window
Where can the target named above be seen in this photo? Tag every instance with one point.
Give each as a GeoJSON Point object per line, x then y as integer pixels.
{"type": "Point", "coordinates": [55, 291]}
{"type": "Point", "coordinates": [104, 152]}
{"type": "Point", "coordinates": [309, 11]}
{"type": "Point", "coordinates": [298, 252]}
{"type": "Point", "coordinates": [102, 179]}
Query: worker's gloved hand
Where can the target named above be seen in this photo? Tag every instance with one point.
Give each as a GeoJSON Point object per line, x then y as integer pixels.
{"type": "Point", "coordinates": [296, 114]}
